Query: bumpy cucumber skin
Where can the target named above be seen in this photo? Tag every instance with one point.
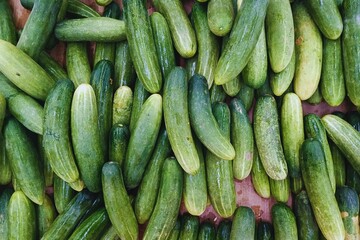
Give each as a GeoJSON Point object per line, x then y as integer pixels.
{"type": "Point", "coordinates": [284, 222]}
{"type": "Point", "coordinates": [259, 178]}
{"type": "Point", "coordinates": [280, 189]}
{"type": "Point", "coordinates": [189, 227]}
{"type": "Point", "coordinates": [122, 105]}
{"type": "Point", "coordinates": [243, 224]}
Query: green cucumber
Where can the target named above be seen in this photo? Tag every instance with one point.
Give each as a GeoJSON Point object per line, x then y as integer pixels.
{"type": "Point", "coordinates": [110, 234]}
{"type": "Point", "coordinates": [27, 75]}
{"type": "Point", "coordinates": [142, 140]}
{"type": "Point", "coordinates": [5, 169]}
{"type": "Point", "coordinates": [45, 214]}
{"type": "Point", "coordinates": [242, 40]}
{"type": "Point", "coordinates": [176, 116]}
{"type": "Point", "coordinates": [4, 203]}
{"type": "Point", "coordinates": [246, 94]}
{"type": "Point", "coordinates": [206, 231]}
{"type": "Point", "coordinates": [243, 224]}
{"type": "Point", "coordinates": [280, 189]}
{"type": "Point", "coordinates": [45, 164]}
{"type": "Point", "coordinates": [352, 178]}
{"type": "Point", "coordinates": [2, 110]}
{"type": "Point", "coordinates": [77, 63]}
{"type": "Point", "coordinates": [117, 202]}
{"type": "Point", "coordinates": [166, 210]}
{"type": "Point", "coordinates": [56, 135]}
{"type": "Point", "coordinates": [296, 184]}
{"type": "Point", "coordinates": [265, 231]}
{"type": "Point", "coordinates": [284, 222]}
{"type": "Point", "coordinates": [224, 230]}
{"type": "Point", "coordinates": [124, 72]}
{"type": "Point", "coordinates": [259, 178]}
{"type": "Point", "coordinates": [208, 46]}
{"type": "Point", "coordinates": [308, 52]}
{"type": "Point", "coordinates": [316, 98]}
{"type": "Point", "coordinates": [163, 43]}
{"type": "Point", "coordinates": [52, 67]}
{"type": "Point", "coordinates": [351, 49]}
{"type": "Point", "coordinates": [85, 133]}
{"type": "Point", "coordinates": [21, 217]}
{"type": "Point", "coordinates": [103, 29]}
{"type": "Point", "coordinates": [190, 66]}
{"type": "Point", "coordinates": [348, 201]}
{"type": "Point", "coordinates": [189, 227]}
{"type": "Point", "coordinates": [182, 33]}
{"type": "Point", "coordinates": [81, 9]}
{"type": "Point", "coordinates": [267, 138]}
{"type": "Point", "coordinates": [122, 105]}
{"type": "Point", "coordinates": [220, 16]}
{"type": "Point", "coordinates": [265, 89]}
{"type": "Point", "coordinates": [7, 25]}
{"type": "Point", "coordinates": [353, 117]}
{"type": "Point", "coordinates": [292, 131]}
{"type": "Point", "coordinates": [148, 190]}
{"type": "Point", "coordinates": [203, 122]}
{"type": "Point", "coordinates": [217, 93]}
{"type": "Point", "coordinates": [118, 141]}
{"type": "Point", "coordinates": [232, 87]}
{"type": "Point", "coordinates": [140, 96]}
{"type": "Point", "coordinates": [242, 137]}
{"type": "Point", "coordinates": [318, 186]}
{"type": "Point", "coordinates": [279, 34]}
{"type": "Point", "coordinates": [63, 194]}
{"type": "Point", "coordinates": [23, 159]}
{"type": "Point", "coordinates": [339, 164]}
{"type": "Point", "coordinates": [141, 44]}
{"type": "Point", "coordinates": [175, 232]}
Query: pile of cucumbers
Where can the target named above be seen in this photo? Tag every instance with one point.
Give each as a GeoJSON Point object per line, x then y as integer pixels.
{"type": "Point", "coordinates": [170, 108]}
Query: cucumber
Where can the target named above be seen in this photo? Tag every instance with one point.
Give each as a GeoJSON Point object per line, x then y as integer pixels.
{"type": "Point", "coordinates": [267, 138]}
{"type": "Point", "coordinates": [189, 227]}
{"type": "Point", "coordinates": [243, 224]}
{"type": "Point", "coordinates": [265, 231]}
{"type": "Point", "coordinates": [242, 40]}
{"type": "Point", "coordinates": [351, 49]}
{"type": "Point", "coordinates": [206, 231]}
{"type": "Point", "coordinates": [118, 141]}
{"type": "Point", "coordinates": [203, 122]}
{"type": "Point", "coordinates": [27, 75]}
{"type": "Point", "coordinates": [163, 43]}
{"type": "Point", "coordinates": [316, 98]}
{"type": "Point", "coordinates": [5, 169]}
{"type": "Point", "coordinates": [52, 67]}
{"type": "Point", "coordinates": [318, 186]}
{"type": "Point", "coordinates": [348, 201]}
{"type": "Point", "coordinates": [279, 25]}
{"type": "Point", "coordinates": [21, 217]}
{"type": "Point", "coordinates": [122, 105]}
{"type": "Point", "coordinates": [63, 194]}
{"type": "Point", "coordinates": [175, 232]}
{"type": "Point", "coordinates": [255, 72]}
{"type": "Point", "coordinates": [103, 29]}
{"type": "Point", "coordinates": [259, 178]}
{"type": "Point", "coordinates": [4, 203]}
{"type": "Point", "coordinates": [292, 131]}
{"type": "Point", "coordinates": [220, 16]}
{"type": "Point", "coordinates": [2, 110]}
{"type": "Point", "coordinates": [81, 9]}
{"type": "Point", "coordinates": [110, 234]}
{"type": "Point", "coordinates": [45, 164]}
{"type": "Point", "coordinates": [85, 133]}
{"type": "Point", "coordinates": [224, 230]}
{"type": "Point", "coordinates": [345, 137]}
{"type": "Point", "coordinates": [246, 94]}
{"type": "Point", "coordinates": [352, 178]}
{"type": "Point", "coordinates": [296, 185]}
{"type": "Point", "coordinates": [168, 202]}
{"type": "Point", "coordinates": [327, 17]}
{"type": "Point", "coordinates": [140, 96]}
{"type": "Point", "coordinates": [45, 215]}
{"type": "Point", "coordinates": [339, 164]}
{"type": "Point", "coordinates": [208, 47]}
{"type": "Point", "coordinates": [117, 202]}
{"type": "Point", "coordinates": [308, 52]}
{"type": "Point", "coordinates": [7, 26]}
{"type": "Point", "coordinates": [353, 117]}
{"type": "Point", "coordinates": [280, 189]}
{"type": "Point", "coordinates": [284, 222]}
{"type": "Point", "coordinates": [219, 172]}
{"type": "Point", "coordinates": [77, 63]}
{"type": "Point", "coordinates": [148, 190]}
{"type": "Point", "coordinates": [56, 134]}
{"type": "Point", "coordinates": [190, 66]}
{"type": "Point", "coordinates": [265, 89]}
{"type": "Point", "coordinates": [141, 45]}
{"type": "Point", "coordinates": [242, 138]}
{"type": "Point", "coordinates": [182, 33]}
{"type": "Point", "coordinates": [23, 159]}
{"type": "Point", "coordinates": [217, 93]}
{"type": "Point", "coordinates": [142, 140]}
{"type": "Point", "coordinates": [176, 116]}
{"type": "Point", "coordinates": [65, 223]}
{"type": "Point", "coordinates": [232, 87]}
{"type": "Point", "coordinates": [332, 83]}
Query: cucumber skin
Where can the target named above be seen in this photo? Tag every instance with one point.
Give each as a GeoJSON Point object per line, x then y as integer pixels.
{"type": "Point", "coordinates": [118, 141]}
{"type": "Point", "coordinates": [122, 105]}
{"type": "Point", "coordinates": [77, 63]}
{"type": "Point", "coordinates": [265, 231]}
{"type": "Point", "coordinates": [206, 231]}
{"type": "Point", "coordinates": [175, 232]}
{"type": "Point", "coordinates": [140, 96]}
{"type": "Point", "coordinates": [45, 215]}
{"type": "Point", "coordinates": [63, 194]}
{"type": "Point", "coordinates": [221, 16]}
{"type": "Point", "coordinates": [259, 178]}
{"type": "Point", "coordinates": [4, 203]}
{"type": "Point", "coordinates": [280, 189]}
{"type": "Point", "coordinates": [339, 164]}
{"type": "Point", "coordinates": [223, 230]}
{"type": "Point", "coordinates": [7, 26]}
{"type": "Point", "coordinates": [243, 224]}
{"type": "Point", "coordinates": [284, 222]}
{"type": "Point", "coordinates": [52, 67]}
{"type": "Point", "coordinates": [189, 227]}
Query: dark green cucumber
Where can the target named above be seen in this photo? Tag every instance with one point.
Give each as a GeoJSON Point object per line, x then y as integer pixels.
{"type": "Point", "coordinates": [52, 67]}
{"type": "Point", "coordinates": [306, 223]}
{"type": "Point", "coordinates": [65, 223]}
{"type": "Point", "coordinates": [259, 178]}
{"type": "Point", "coordinates": [353, 117]}
{"type": "Point", "coordinates": [264, 89]}
{"type": "Point", "coordinates": [348, 201]}
{"type": "Point", "coordinates": [182, 33]}
{"type": "Point", "coordinates": [267, 138]}
{"type": "Point", "coordinates": [280, 189]}
{"type": "Point", "coordinates": [140, 96]}
{"type": "Point", "coordinates": [21, 217]}
{"type": "Point", "coordinates": [118, 141]}
{"type": "Point", "coordinates": [7, 25]}
{"type": "Point", "coordinates": [217, 93]}
{"type": "Point", "coordinates": [23, 158]}
{"type": "Point", "coordinates": [318, 186]}
{"type": "Point", "coordinates": [351, 49]}
{"type": "Point", "coordinates": [352, 178]}
{"type": "Point", "coordinates": [203, 122]}
{"type": "Point", "coordinates": [246, 94]}
{"type": "Point", "coordinates": [103, 29]}
{"type": "Point", "coordinates": [243, 224]}
{"type": "Point", "coordinates": [168, 202]}
{"type": "Point", "coordinates": [5, 169]}
{"type": "Point", "coordinates": [85, 133]}
{"type": "Point", "coordinates": [176, 116]}
{"type": "Point", "coordinates": [56, 135]}
{"type": "Point", "coordinates": [223, 230]}
{"type": "Point", "coordinates": [63, 194]}
{"type": "Point", "coordinates": [242, 138]}
{"type": "Point", "coordinates": [101, 81]}
{"type": "Point", "coordinates": [148, 190]}
{"type": "Point", "coordinates": [208, 47]}
{"type": "Point", "coordinates": [45, 215]}
{"type": "Point", "coordinates": [332, 83]}
{"type": "Point", "coordinates": [142, 140]}
{"type": "Point", "coordinates": [189, 227]}
{"type": "Point", "coordinates": [175, 232]}
{"type": "Point", "coordinates": [117, 202]}
{"type": "Point", "coordinates": [220, 16]}
{"type": "Point", "coordinates": [2, 110]}
{"type": "Point", "coordinates": [4, 203]}
{"type": "Point", "coordinates": [77, 63]}
{"type": "Point", "coordinates": [264, 231]}
{"type": "Point", "coordinates": [339, 164]}
{"type": "Point", "coordinates": [93, 226]}
{"type": "Point", "coordinates": [124, 72]}
{"type": "Point", "coordinates": [141, 44]}
{"type": "Point", "coordinates": [122, 105]}
{"type": "Point", "coordinates": [284, 222]}
{"type": "Point", "coordinates": [220, 172]}
{"type": "Point", "coordinates": [242, 40]}
{"type": "Point", "coordinates": [163, 43]}
{"type": "Point", "coordinates": [206, 231]}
